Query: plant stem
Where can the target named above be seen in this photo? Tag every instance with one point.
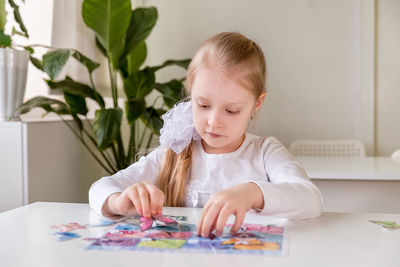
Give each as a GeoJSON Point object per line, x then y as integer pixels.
{"type": "Point", "coordinates": [94, 88]}
{"type": "Point", "coordinates": [121, 152]}
{"type": "Point", "coordinates": [117, 161]}
{"type": "Point", "coordinates": [142, 138]}
{"type": "Point", "coordinates": [113, 85]}
{"type": "Point", "coordinates": [132, 142]}
{"type": "Point", "coordinates": [149, 142]}
{"type": "Point", "coordinates": [86, 146]}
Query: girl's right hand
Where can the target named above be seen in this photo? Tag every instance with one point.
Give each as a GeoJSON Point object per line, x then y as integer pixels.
{"type": "Point", "coordinates": [143, 198]}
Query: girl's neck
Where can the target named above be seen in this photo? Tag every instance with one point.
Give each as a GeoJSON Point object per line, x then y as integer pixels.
{"type": "Point", "coordinates": [227, 149]}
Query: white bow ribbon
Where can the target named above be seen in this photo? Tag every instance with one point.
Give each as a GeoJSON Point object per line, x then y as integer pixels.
{"type": "Point", "coordinates": [178, 129]}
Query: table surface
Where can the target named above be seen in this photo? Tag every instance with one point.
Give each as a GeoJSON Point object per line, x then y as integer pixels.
{"type": "Point", "coordinates": [333, 239]}
{"type": "Point", "coordinates": [357, 168]}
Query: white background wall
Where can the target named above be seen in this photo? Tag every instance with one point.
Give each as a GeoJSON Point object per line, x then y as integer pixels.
{"type": "Point", "coordinates": [312, 52]}
{"type": "Point", "coordinates": [329, 77]}
{"type": "Point", "coordinates": [388, 77]}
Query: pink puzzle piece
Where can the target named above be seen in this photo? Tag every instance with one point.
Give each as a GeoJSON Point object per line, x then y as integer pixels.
{"type": "Point", "coordinates": [146, 223]}
{"type": "Point", "coordinates": [69, 227]}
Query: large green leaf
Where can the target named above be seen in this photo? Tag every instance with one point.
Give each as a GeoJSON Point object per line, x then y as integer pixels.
{"type": "Point", "coordinates": [3, 14]}
{"type": "Point", "coordinates": [48, 104]}
{"type": "Point", "coordinates": [18, 19]}
{"type": "Point", "coordinates": [37, 63]}
{"type": "Point", "coordinates": [152, 119]}
{"type": "Point", "coordinates": [89, 64]}
{"type": "Point", "coordinates": [134, 109]}
{"type": "Point", "coordinates": [54, 61]}
{"type": "Point", "coordinates": [139, 84]}
{"type": "Point", "coordinates": [5, 39]}
{"type": "Point", "coordinates": [184, 63]}
{"type": "Point", "coordinates": [132, 62]}
{"type": "Point", "coordinates": [72, 87]}
{"type": "Point", "coordinates": [77, 103]}
{"type": "Point", "coordinates": [107, 126]}
{"type": "Point", "coordinates": [140, 26]}
{"type": "Point", "coordinates": [136, 57]}
{"type": "Point", "coordinates": [100, 47]}
{"type": "Point", "coordinates": [171, 91]}
{"type": "Point", "coordinates": [110, 21]}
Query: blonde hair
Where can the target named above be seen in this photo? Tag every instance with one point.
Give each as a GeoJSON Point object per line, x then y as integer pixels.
{"type": "Point", "coordinates": [234, 54]}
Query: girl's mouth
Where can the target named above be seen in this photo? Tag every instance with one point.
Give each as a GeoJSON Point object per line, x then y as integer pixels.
{"type": "Point", "coordinates": [213, 135]}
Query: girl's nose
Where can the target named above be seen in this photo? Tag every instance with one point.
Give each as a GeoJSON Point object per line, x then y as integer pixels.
{"type": "Point", "coordinates": [214, 119]}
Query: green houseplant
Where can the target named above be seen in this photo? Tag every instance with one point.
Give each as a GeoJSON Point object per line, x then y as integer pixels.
{"type": "Point", "coordinates": [13, 65]}
{"type": "Point", "coordinates": [120, 36]}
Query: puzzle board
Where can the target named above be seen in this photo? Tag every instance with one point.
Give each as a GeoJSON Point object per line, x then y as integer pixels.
{"type": "Point", "coordinates": [250, 239]}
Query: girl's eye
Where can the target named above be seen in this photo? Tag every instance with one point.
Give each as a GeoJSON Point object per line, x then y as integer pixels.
{"type": "Point", "coordinates": [204, 106]}
{"type": "Point", "coordinates": [232, 112]}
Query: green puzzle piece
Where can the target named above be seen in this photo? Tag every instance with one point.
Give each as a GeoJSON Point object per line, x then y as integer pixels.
{"type": "Point", "coordinates": [163, 243]}
{"type": "Point", "coordinates": [387, 224]}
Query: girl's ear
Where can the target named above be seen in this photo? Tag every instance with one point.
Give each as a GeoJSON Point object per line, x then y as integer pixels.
{"type": "Point", "coordinates": [260, 101]}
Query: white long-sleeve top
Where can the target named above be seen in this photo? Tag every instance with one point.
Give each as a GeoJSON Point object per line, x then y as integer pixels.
{"type": "Point", "coordinates": [287, 190]}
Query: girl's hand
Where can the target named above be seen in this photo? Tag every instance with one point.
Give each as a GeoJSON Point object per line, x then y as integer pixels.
{"type": "Point", "coordinates": [143, 198]}
{"type": "Point", "coordinates": [236, 200]}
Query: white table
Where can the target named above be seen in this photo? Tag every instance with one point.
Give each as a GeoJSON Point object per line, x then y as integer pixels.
{"type": "Point", "coordinates": [334, 239]}
{"type": "Point", "coordinates": [365, 184]}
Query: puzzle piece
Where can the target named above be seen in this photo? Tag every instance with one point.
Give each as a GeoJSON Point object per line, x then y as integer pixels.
{"type": "Point", "coordinates": [387, 224]}
{"type": "Point", "coordinates": [62, 236]}
{"type": "Point", "coordinates": [147, 223]}
{"type": "Point", "coordinates": [69, 227]}
{"type": "Point", "coordinates": [102, 222]}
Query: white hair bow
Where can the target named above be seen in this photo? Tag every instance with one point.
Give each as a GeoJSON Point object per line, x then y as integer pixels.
{"type": "Point", "coordinates": [178, 129]}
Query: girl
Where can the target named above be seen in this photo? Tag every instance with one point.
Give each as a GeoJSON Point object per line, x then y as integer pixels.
{"type": "Point", "coordinates": [206, 159]}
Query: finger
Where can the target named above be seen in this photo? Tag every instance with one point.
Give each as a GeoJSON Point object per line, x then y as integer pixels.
{"type": "Point", "coordinates": [222, 218]}
{"type": "Point", "coordinates": [124, 205]}
{"type": "Point", "coordinates": [133, 195]}
{"type": "Point", "coordinates": [239, 217]}
{"type": "Point", "coordinates": [156, 198]}
{"type": "Point", "coordinates": [209, 219]}
{"type": "Point", "coordinates": [200, 223]}
{"type": "Point", "coordinates": [144, 200]}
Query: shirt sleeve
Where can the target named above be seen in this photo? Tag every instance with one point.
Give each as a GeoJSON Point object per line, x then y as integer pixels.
{"type": "Point", "coordinates": [146, 169]}
{"type": "Point", "coordinates": [289, 192]}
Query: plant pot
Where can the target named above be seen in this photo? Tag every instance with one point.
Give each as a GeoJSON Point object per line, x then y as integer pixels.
{"type": "Point", "coordinates": [13, 72]}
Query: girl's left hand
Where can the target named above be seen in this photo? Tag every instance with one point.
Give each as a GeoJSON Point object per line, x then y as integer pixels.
{"type": "Point", "coordinates": [236, 200]}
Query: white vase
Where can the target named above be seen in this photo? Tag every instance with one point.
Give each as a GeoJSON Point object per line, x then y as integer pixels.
{"type": "Point", "coordinates": [13, 71]}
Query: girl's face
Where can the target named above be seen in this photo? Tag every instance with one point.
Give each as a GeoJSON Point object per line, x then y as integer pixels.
{"type": "Point", "coordinates": [222, 109]}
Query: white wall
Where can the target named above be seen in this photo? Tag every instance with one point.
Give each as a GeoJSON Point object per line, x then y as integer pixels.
{"type": "Point", "coordinates": [312, 50]}
{"type": "Point", "coordinates": [388, 76]}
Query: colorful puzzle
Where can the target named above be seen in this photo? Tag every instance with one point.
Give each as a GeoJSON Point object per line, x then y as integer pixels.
{"type": "Point", "coordinates": [174, 233]}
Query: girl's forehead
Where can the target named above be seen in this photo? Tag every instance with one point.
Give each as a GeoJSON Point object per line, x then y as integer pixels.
{"type": "Point", "coordinates": [215, 85]}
